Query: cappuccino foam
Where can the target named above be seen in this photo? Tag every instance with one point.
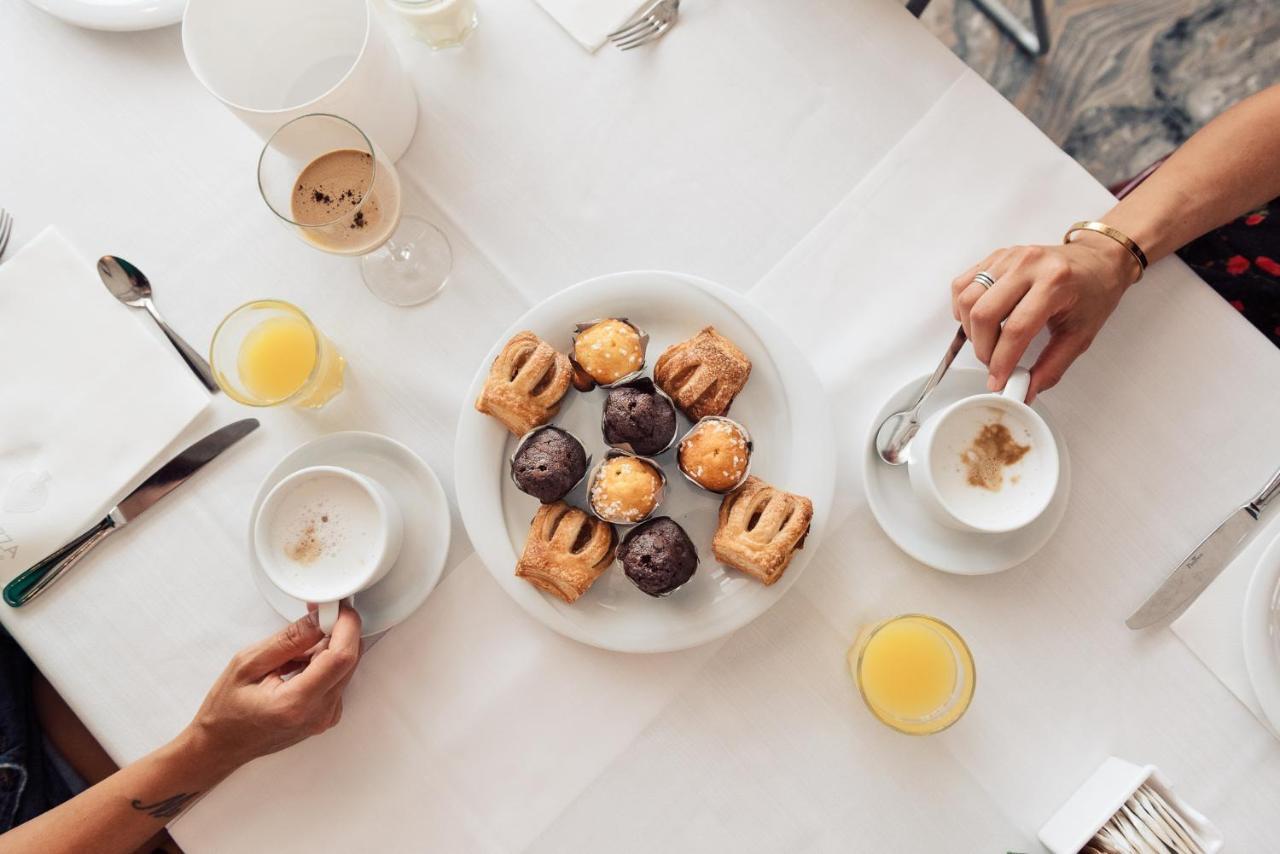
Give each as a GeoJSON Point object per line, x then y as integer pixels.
{"type": "Point", "coordinates": [323, 532]}
{"type": "Point", "coordinates": [986, 465]}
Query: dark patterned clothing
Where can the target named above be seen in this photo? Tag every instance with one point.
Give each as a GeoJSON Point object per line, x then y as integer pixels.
{"type": "Point", "coordinates": [1241, 261]}
{"type": "Point", "coordinates": [33, 777]}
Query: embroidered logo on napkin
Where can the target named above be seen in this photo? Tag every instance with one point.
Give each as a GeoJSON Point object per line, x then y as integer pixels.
{"type": "Point", "coordinates": [27, 492]}
{"type": "Point", "coordinates": [8, 547]}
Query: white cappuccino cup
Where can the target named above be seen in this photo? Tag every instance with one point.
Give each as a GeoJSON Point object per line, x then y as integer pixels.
{"type": "Point", "coordinates": [325, 533]}
{"type": "Point", "coordinates": [986, 463]}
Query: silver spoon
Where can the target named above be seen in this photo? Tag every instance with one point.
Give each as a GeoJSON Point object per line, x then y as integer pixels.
{"type": "Point", "coordinates": [127, 284]}
{"type": "Point", "coordinates": [897, 431]}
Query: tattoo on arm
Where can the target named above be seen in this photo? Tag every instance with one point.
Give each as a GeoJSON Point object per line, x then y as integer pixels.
{"type": "Point", "coordinates": [167, 808]}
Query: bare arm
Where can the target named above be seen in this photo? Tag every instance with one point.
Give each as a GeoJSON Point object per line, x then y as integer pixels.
{"type": "Point", "coordinates": [252, 710]}
{"type": "Point", "coordinates": [1229, 167]}
{"type": "Point", "coordinates": [129, 807]}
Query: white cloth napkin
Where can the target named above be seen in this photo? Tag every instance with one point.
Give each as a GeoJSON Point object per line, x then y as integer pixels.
{"type": "Point", "coordinates": [591, 21]}
{"type": "Point", "coordinates": [1211, 627]}
{"type": "Point", "coordinates": [89, 399]}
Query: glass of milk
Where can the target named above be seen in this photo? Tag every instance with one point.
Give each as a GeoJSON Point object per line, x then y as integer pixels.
{"type": "Point", "coordinates": [439, 23]}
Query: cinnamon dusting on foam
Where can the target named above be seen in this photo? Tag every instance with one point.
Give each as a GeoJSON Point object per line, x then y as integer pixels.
{"type": "Point", "coordinates": [311, 535]}
{"type": "Point", "coordinates": [988, 454]}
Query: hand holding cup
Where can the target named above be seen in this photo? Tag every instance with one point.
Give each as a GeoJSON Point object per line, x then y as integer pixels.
{"type": "Point", "coordinates": [279, 691]}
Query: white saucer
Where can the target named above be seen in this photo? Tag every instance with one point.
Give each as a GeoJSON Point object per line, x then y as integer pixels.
{"type": "Point", "coordinates": [120, 15]}
{"type": "Point", "coordinates": [1262, 632]}
{"type": "Point", "coordinates": [912, 528]}
{"type": "Point", "coordinates": [426, 524]}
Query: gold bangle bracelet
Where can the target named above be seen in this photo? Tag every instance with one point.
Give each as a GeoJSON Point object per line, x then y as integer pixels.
{"type": "Point", "coordinates": [1118, 236]}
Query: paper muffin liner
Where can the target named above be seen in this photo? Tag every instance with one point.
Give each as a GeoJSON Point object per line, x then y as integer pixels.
{"type": "Point", "coordinates": [746, 472]}
{"type": "Point", "coordinates": [520, 443]}
{"type": "Point", "coordinates": [579, 328]}
{"type": "Point", "coordinates": [646, 385]}
{"type": "Point", "coordinates": [599, 467]}
{"type": "Point", "coordinates": [697, 564]}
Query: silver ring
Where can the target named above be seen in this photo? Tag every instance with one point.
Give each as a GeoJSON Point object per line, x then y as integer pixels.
{"type": "Point", "coordinates": [985, 280]}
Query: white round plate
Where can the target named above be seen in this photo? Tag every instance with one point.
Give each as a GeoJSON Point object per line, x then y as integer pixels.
{"type": "Point", "coordinates": [421, 500]}
{"type": "Point", "coordinates": [783, 406]}
{"type": "Point", "coordinates": [912, 527]}
{"type": "Point", "coordinates": [117, 15]}
{"type": "Point", "coordinates": [1262, 632]}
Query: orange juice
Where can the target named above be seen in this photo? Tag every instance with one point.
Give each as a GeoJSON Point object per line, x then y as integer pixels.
{"type": "Point", "coordinates": [278, 356]}
{"type": "Point", "coordinates": [914, 672]}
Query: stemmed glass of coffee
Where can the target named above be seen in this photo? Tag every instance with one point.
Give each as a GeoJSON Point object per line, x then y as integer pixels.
{"type": "Point", "coordinates": [335, 188]}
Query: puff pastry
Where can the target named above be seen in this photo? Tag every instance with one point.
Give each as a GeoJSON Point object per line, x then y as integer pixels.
{"type": "Point", "coordinates": [567, 551]}
{"type": "Point", "coordinates": [526, 383]}
{"type": "Point", "coordinates": [760, 529]}
{"type": "Point", "coordinates": [704, 374]}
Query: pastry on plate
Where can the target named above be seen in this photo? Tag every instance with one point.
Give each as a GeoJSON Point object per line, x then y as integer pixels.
{"type": "Point", "coordinates": [704, 374]}
{"type": "Point", "coordinates": [639, 418]}
{"type": "Point", "coordinates": [526, 383]}
{"type": "Point", "coordinates": [566, 552]}
{"type": "Point", "coordinates": [658, 556]}
{"type": "Point", "coordinates": [608, 351]}
{"type": "Point", "coordinates": [715, 454]}
{"type": "Point", "coordinates": [548, 463]}
{"type": "Point", "coordinates": [625, 489]}
{"type": "Point", "coordinates": [760, 529]}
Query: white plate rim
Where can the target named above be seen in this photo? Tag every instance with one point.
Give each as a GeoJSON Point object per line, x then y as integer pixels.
{"type": "Point", "coordinates": [495, 552]}
{"type": "Point", "coordinates": [439, 553]}
{"type": "Point", "coordinates": [115, 17]}
{"type": "Point", "coordinates": [1057, 508]}
{"type": "Point", "coordinates": [1259, 647]}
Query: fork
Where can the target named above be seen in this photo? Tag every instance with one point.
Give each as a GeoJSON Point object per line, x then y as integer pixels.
{"type": "Point", "coordinates": [649, 24]}
{"type": "Point", "coordinates": [6, 228]}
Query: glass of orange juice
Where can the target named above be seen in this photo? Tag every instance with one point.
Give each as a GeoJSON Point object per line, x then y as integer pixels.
{"type": "Point", "coordinates": [268, 352]}
{"type": "Point", "coordinates": [914, 672]}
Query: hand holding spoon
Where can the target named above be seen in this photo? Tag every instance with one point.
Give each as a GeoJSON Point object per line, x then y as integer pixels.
{"type": "Point", "coordinates": [127, 284]}
{"type": "Point", "coordinates": [897, 431]}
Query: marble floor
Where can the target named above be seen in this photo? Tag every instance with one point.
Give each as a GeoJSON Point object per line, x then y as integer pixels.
{"type": "Point", "coordinates": [1126, 81]}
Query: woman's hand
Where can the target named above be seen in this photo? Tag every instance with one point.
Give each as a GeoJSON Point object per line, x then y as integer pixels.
{"type": "Point", "coordinates": [252, 710]}
{"type": "Point", "coordinates": [1072, 289]}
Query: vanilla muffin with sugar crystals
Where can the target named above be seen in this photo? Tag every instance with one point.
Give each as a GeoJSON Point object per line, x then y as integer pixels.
{"type": "Point", "coordinates": [609, 351]}
{"type": "Point", "coordinates": [715, 454]}
{"type": "Point", "coordinates": [625, 490]}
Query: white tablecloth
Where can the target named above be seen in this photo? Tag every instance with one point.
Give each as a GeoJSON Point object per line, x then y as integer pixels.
{"type": "Point", "coordinates": [821, 157]}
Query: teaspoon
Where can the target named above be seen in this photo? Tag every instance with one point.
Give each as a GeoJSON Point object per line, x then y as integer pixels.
{"type": "Point", "coordinates": [897, 431]}
{"type": "Point", "coordinates": [127, 284]}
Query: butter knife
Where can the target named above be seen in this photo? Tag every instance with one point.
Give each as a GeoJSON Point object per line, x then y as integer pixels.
{"type": "Point", "coordinates": [1205, 562]}
{"type": "Point", "coordinates": [168, 477]}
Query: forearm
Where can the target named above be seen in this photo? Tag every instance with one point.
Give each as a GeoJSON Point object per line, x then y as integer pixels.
{"type": "Point", "coordinates": [1229, 167]}
{"type": "Point", "coordinates": [129, 807]}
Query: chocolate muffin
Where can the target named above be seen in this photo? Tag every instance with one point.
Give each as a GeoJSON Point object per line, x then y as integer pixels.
{"type": "Point", "coordinates": [639, 418]}
{"type": "Point", "coordinates": [658, 556]}
{"type": "Point", "coordinates": [548, 464]}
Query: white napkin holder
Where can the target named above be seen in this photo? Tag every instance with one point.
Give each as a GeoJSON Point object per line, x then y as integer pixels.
{"type": "Point", "coordinates": [1101, 797]}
